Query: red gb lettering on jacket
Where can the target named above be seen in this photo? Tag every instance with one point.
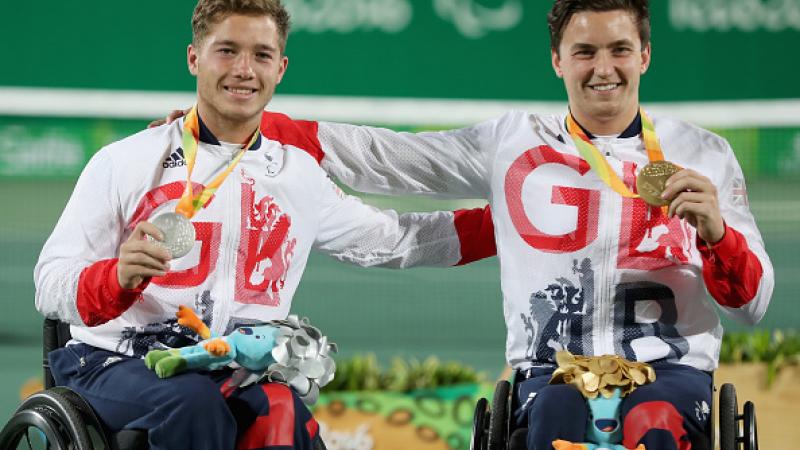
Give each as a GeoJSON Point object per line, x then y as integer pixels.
{"type": "Point", "coordinates": [587, 201]}
{"type": "Point", "coordinates": [208, 233]}
{"type": "Point", "coordinates": [650, 240]}
{"type": "Point", "coordinates": [265, 250]}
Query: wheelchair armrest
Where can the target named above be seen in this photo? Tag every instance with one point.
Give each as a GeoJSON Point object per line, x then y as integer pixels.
{"type": "Point", "coordinates": [55, 335]}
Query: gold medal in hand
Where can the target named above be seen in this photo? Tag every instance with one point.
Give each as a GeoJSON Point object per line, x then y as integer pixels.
{"type": "Point", "coordinates": [652, 180]}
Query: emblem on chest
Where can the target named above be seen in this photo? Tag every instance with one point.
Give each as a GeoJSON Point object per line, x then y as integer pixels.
{"type": "Point", "coordinates": [269, 249]}
{"type": "Point", "coordinates": [273, 158]}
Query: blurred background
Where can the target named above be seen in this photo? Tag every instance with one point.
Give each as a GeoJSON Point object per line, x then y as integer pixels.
{"type": "Point", "coordinates": [79, 75]}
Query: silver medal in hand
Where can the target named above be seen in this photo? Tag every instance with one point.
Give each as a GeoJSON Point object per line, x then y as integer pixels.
{"type": "Point", "coordinates": [178, 233]}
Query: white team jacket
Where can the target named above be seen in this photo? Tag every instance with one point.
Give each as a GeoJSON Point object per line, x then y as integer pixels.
{"type": "Point", "coordinates": [582, 268]}
{"type": "Point", "coordinates": [254, 236]}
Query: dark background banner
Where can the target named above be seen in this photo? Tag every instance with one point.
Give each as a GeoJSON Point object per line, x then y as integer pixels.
{"type": "Point", "coordinates": [487, 49]}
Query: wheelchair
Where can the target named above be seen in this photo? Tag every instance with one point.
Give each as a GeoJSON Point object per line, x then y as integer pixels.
{"type": "Point", "coordinates": [493, 428]}
{"type": "Point", "coordinates": [60, 419]}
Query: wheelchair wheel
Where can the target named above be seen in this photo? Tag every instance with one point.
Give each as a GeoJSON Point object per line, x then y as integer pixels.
{"type": "Point", "coordinates": [55, 414]}
{"type": "Point", "coordinates": [18, 430]}
{"type": "Point", "coordinates": [480, 425]}
{"type": "Point", "coordinates": [499, 416]}
{"type": "Point", "coordinates": [728, 426]}
{"type": "Point", "coordinates": [750, 430]}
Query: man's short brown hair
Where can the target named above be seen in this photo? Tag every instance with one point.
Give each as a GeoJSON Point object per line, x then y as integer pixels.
{"type": "Point", "coordinates": [210, 12]}
{"type": "Point", "coordinates": [563, 10]}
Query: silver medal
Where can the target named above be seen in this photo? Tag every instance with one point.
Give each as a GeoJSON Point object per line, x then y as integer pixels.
{"type": "Point", "coordinates": [178, 233]}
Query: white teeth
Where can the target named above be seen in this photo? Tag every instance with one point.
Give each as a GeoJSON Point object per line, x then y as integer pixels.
{"type": "Point", "coordinates": [241, 91]}
{"type": "Point", "coordinates": [604, 87]}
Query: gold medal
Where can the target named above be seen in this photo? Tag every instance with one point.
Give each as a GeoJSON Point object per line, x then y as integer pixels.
{"type": "Point", "coordinates": [652, 180]}
{"type": "Point", "coordinates": [601, 375]}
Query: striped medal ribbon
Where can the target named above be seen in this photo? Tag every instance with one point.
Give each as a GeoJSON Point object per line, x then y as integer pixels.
{"type": "Point", "coordinates": [189, 203]}
{"type": "Point", "coordinates": [598, 162]}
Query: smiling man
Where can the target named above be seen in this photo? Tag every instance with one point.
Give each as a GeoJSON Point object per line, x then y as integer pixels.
{"type": "Point", "coordinates": [125, 253]}
{"type": "Point", "coordinates": [231, 88]}
{"type": "Point", "coordinates": [586, 264]}
{"type": "Point", "coordinates": [601, 56]}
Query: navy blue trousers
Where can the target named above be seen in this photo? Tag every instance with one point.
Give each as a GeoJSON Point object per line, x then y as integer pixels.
{"type": "Point", "coordinates": [187, 410]}
{"type": "Point", "coordinates": [671, 413]}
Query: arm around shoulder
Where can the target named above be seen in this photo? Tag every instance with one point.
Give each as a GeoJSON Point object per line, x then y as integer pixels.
{"type": "Point", "coordinates": [443, 164]}
{"type": "Point", "coordinates": [354, 232]}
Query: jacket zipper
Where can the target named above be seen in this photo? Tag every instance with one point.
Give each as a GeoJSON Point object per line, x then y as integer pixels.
{"type": "Point", "coordinates": [606, 303]}
{"type": "Point", "coordinates": [228, 247]}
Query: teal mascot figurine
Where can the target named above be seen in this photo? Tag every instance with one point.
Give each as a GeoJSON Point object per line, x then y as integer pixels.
{"type": "Point", "coordinates": [289, 351]}
{"type": "Point", "coordinates": [603, 381]}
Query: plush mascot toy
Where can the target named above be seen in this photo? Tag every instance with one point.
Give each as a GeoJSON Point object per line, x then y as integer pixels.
{"type": "Point", "coordinates": [603, 381]}
{"type": "Point", "coordinates": [289, 351]}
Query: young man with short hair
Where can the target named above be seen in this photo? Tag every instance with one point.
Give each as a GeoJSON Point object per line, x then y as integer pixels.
{"type": "Point", "coordinates": [258, 203]}
{"type": "Point", "coordinates": [586, 265]}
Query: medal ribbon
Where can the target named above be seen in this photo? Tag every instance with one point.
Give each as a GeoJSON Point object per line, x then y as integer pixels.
{"type": "Point", "coordinates": [190, 204]}
{"type": "Point", "coordinates": [598, 162]}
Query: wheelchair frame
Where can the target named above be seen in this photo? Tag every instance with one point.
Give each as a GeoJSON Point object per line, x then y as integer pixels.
{"type": "Point", "coordinates": [65, 419]}
{"type": "Point", "coordinates": [492, 427]}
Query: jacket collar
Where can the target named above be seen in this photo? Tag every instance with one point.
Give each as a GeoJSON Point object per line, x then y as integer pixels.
{"type": "Point", "coordinates": [633, 130]}
{"type": "Point", "coordinates": [206, 136]}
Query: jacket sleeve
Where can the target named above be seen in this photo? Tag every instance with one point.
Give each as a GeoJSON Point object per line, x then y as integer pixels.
{"type": "Point", "coordinates": [75, 276]}
{"type": "Point", "coordinates": [445, 164]}
{"type": "Point", "coordinates": [354, 232]}
{"type": "Point", "coordinates": [737, 270]}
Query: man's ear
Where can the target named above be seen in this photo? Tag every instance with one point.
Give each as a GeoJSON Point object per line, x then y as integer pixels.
{"type": "Point", "coordinates": [647, 53]}
{"type": "Point", "coordinates": [191, 59]}
{"type": "Point", "coordinates": [556, 61]}
{"type": "Point", "coordinates": [282, 70]}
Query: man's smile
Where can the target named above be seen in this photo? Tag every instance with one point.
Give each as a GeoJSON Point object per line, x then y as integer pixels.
{"type": "Point", "coordinates": [240, 92]}
{"type": "Point", "coordinates": [605, 87]}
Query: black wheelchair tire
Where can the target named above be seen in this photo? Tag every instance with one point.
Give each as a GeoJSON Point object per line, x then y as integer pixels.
{"type": "Point", "coordinates": [95, 431]}
{"type": "Point", "coordinates": [499, 418]}
{"type": "Point", "coordinates": [68, 413]}
{"type": "Point", "coordinates": [728, 429]}
{"type": "Point", "coordinates": [750, 428]}
{"type": "Point", "coordinates": [479, 418]}
{"type": "Point", "coordinates": [37, 417]}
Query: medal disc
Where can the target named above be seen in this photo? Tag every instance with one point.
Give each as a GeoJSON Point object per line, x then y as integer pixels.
{"type": "Point", "coordinates": [178, 233]}
{"type": "Point", "coordinates": [651, 181]}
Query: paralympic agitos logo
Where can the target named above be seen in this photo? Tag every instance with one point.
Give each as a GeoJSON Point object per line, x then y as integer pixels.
{"type": "Point", "coordinates": [471, 19]}
{"type": "Point", "coordinates": [735, 15]}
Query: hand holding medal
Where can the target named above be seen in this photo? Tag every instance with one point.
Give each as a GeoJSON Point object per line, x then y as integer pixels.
{"type": "Point", "coordinates": [681, 192]}
{"type": "Point", "coordinates": [140, 258]}
{"type": "Point", "coordinates": [693, 197]}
